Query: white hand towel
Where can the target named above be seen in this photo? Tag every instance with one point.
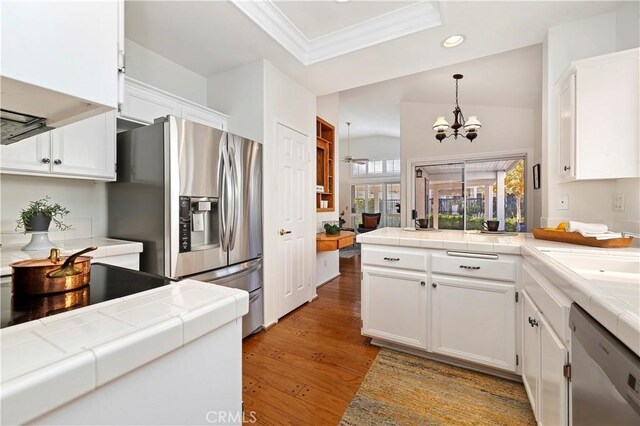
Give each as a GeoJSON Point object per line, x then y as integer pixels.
{"type": "Point", "coordinates": [602, 235]}
{"type": "Point", "coordinates": [596, 228]}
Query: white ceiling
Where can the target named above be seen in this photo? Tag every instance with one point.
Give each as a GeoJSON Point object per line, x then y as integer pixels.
{"type": "Point", "coordinates": [318, 18]}
{"type": "Point", "coordinates": [510, 79]}
{"type": "Point", "coordinates": [212, 36]}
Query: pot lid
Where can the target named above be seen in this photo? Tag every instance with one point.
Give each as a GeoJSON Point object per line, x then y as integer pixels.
{"type": "Point", "coordinates": [54, 259]}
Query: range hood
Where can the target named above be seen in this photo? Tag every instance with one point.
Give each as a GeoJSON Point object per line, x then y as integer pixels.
{"type": "Point", "coordinates": [27, 110]}
{"type": "Point", "coordinates": [17, 126]}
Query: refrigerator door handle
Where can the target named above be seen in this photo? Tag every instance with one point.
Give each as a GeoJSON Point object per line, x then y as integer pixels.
{"type": "Point", "coordinates": [223, 179]}
{"type": "Point", "coordinates": [234, 184]}
{"type": "Point", "coordinates": [230, 273]}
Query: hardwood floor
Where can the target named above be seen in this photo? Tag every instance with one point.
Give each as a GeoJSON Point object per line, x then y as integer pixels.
{"type": "Point", "coordinates": [308, 367]}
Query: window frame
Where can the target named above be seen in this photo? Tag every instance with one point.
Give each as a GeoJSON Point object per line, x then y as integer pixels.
{"type": "Point", "coordinates": [526, 154]}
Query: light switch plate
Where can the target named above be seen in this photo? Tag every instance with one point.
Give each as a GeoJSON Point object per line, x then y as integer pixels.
{"type": "Point", "coordinates": [618, 203]}
{"type": "Point", "coordinates": [563, 202]}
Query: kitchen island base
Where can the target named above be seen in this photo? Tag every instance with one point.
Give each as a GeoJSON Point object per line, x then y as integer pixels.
{"type": "Point", "coordinates": [199, 383]}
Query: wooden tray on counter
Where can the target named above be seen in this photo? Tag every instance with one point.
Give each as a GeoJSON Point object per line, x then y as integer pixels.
{"type": "Point", "coordinates": [576, 238]}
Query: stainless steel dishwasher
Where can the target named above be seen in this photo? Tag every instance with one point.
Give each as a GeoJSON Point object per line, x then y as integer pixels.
{"type": "Point", "coordinates": [605, 375]}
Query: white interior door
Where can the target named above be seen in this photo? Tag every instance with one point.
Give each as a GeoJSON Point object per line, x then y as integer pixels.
{"type": "Point", "coordinates": [292, 247]}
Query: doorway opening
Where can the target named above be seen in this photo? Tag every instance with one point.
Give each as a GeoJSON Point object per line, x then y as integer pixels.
{"type": "Point", "coordinates": [463, 195]}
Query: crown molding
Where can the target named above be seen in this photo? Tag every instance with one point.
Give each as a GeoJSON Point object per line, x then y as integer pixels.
{"type": "Point", "coordinates": [398, 23]}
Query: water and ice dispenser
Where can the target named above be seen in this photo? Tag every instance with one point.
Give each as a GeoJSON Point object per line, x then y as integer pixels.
{"type": "Point", "coordinates": [198, 223]}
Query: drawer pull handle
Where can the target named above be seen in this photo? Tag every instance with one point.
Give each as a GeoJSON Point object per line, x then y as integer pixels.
{"type": "Point", "coordinates": [473, 268]}
{"type": "Point", "coordinates": [533, 322]}
{"type": "Point", "coordinates": [392, 259]}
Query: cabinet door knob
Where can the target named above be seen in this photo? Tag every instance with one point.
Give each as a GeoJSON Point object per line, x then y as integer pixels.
{"type": "Point", "coordinates": [45, 161]}
{"type": "Point", "coordinates": [567, 168]}
{"type": "Point", "coordinates": [422, 283]}
{"type": "Point", "coordinates": [434, 285]}
{"type": "Point", "coordinates": [533, 322]}
{"type": "Point", "coordinates": [57, 162]}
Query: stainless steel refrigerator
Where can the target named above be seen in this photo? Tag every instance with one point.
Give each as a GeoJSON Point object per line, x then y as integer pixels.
{"type": "Point", "coordinates": [192, 195]}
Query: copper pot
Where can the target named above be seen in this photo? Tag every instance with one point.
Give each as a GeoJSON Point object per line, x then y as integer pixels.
{"type": "Point", "coordinates": [54, 274]}
{"type": "Point", "coordinates": [30, 307]}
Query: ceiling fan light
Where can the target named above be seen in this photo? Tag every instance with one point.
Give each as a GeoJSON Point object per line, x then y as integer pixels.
{"type": "Point", "coordinates": [472, 124]}
{"type": "Point", "coordinates": [441, 124]}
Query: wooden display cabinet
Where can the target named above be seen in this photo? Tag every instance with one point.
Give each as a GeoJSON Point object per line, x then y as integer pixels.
{"type": "Point", "coordinates": [325, 165]}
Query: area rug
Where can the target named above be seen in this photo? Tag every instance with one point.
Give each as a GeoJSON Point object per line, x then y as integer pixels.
{"type": "Point", "coordinates": [402, 389]}
{"type": "Point", "coordinates": [349, 252]}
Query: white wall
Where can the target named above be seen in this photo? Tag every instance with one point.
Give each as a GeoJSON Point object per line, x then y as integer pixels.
{"type": "Point", "coordinates": [374, 148]}
{"type": "Point", "coordinates": [503, 130]}
{"type": "Point", "coordinates": [289, 103]}
{"type": "Point", "coordinates": [151, 68]}
{"type": "Point", "coordinates": [239, 92]}
{"type": "Point", "coordinates": [590, 201]}
{"type": "Point", "coordinates": [84, 199]}
{"type": "Point", "coordinates": [328, 262]}
{"type": "Point", "coordinates": [629, 220]}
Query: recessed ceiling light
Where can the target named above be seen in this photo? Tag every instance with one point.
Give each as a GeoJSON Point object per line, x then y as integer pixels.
{"type": "Point", "coordinates": [341, 1]}
{"type": "Point", "coordinates": [453, 41]}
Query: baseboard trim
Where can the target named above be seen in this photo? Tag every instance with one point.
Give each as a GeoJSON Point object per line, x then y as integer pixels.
{"type": "Point", "coordinates": [328, 281]}
{"type": "Point", "coordinates": [447, 360]}
{"type": "Point", "coordinates": [269, 326]}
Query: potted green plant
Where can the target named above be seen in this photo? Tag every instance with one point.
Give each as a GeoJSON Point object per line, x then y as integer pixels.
{"type": "Point", "coordinates": [38, 216]}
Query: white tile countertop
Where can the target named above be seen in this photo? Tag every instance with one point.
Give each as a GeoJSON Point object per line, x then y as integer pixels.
{"type": "Point", "coordinates": [106, 247]}
{"type": "Point", "coordinates": [615, 304]}
{"type": "Point", "coordinates": [49, 362]}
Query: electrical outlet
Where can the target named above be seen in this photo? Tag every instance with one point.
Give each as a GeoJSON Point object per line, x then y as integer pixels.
{"type": "Point", "coordinates": [563, 202]}
{"type": "Point", "coordinates": [618, 203]}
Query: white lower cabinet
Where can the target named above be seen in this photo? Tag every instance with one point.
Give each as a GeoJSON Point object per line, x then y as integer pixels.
{"type": "Point", "coordinates": [530, 352]}
{"type": "Point", "coordinates": [474, 320]}
{"type": "Point", "coordinates": [85, 149]}
{"type": "Point", "coordinates": [394, 306]}
{"type": "Point", "coordinates": [544, 360]}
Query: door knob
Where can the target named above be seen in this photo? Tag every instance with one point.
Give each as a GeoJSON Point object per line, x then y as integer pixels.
{"type": "Point", "coordinates": [283, 232]}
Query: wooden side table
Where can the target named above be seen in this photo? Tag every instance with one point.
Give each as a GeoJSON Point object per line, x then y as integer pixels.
{"type": "Point", "coordinates": [326, 242]}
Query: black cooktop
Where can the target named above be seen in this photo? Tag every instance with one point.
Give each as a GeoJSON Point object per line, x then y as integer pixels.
{"type": "Point", "coordinates": [107, 282]}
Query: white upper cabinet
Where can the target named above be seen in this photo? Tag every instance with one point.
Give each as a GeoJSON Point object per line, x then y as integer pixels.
{"type": "Point", "coordinates": [59, 58]}
{"type": "Point", "coordinates": [28, 155]}
{"type": "Point", "coordinates": [599, 117]}
{"type": "Point", "coordinates": [144, 103]}
{"type": "Point", "coordinates": [85, 149]}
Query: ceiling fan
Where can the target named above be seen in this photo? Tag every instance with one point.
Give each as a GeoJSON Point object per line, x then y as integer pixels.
{"type": "Point", "coordinates": [348, 158]}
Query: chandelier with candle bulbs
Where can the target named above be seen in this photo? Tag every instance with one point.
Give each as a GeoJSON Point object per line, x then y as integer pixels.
{"type": "Point", "coordinates": [470, 126]}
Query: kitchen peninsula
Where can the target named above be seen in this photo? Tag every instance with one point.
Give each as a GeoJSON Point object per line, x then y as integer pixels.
{"type": "Point", "coordinates": [61, 369]}
{"type": "Point", "coordinates": [496, 303]}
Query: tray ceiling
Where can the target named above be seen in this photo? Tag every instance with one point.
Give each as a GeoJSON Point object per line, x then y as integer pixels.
{"type": "Point", "coordinates": [301, 29]}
